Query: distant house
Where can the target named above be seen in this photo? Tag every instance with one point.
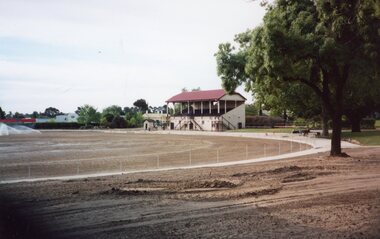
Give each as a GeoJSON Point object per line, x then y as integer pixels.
{"type": "Point", "coordinates": [210, 110]}
{"type": "Point", "coordinates": [158, 119]}
{"type": "Point", "coordinates": [66, 118]}
{"type": "Point", "coordinates": [43, 120]}
{"type": "Point", "coordinates": [149, 124]}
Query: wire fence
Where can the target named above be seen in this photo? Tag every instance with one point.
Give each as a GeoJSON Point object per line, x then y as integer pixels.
{"type": "Point", "coordinates": [188, 156]}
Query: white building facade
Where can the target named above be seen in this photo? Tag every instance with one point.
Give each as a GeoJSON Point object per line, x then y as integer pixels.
{"type": "Point", "coordinates": [66, 118]}
{"type": "Point", "coordinates": [210, 110]}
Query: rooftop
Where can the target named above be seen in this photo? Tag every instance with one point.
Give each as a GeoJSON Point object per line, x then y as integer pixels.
{"type": "Point", "coordinates": [200, 95]}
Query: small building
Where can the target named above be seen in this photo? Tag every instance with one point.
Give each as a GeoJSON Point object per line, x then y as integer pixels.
{"type": "Point", "coordinates": [149, 124]}
{"type": "Point", "coordinates": [209, 110]}
{"type": "Point", "coordinates": [43, 120]}
{"type": "Point", "coordinates": [66, 118]}
{"type": "Point", "coordinates": [158, 118]}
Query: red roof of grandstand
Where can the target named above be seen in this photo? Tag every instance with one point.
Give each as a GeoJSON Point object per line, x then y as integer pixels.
{"type": "Point", "coordinates": [198, 96]}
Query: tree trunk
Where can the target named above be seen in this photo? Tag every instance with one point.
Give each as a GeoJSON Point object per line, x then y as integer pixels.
{"type": "Point", "coordinates": [325, 122]}
{"type": "Point", "coordinates": [355, 124]}
{"type": "Point", "coordinates": [285, 117]}
{"type": "Point", "coordinates": [336, 149]}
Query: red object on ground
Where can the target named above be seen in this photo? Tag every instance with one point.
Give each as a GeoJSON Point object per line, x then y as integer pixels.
{"type": "Point", "coordinates": [25, 120]}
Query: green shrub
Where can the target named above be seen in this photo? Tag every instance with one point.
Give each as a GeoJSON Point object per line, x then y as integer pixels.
{"type": "Point", "coordinates": [300, 122]}
{"type": "Point", "coordinates": [365, 123]}
{"type": "Point", "coordinates": [262, 121]}
{"type": "Point", "coordinates": [118, 122]}
{"type": "Point", "coordinates": [368, 123]}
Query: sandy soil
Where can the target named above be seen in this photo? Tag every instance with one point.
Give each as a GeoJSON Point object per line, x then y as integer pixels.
{"type": "Point", "coordinates": [309, 197]}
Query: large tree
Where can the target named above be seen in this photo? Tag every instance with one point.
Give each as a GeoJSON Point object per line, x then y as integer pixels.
{"type": "Point", "coordinates": [320, 44]}
{"type": "Point", "coordinates": [52, 112]}
{"type": "Point", "coordinates": [114, 110]}
{"type": "Point", "coordinates": [35, 114]}
{"type": "Point", "coordinates": [18, 115]}
{"type": "Point", "coordinates": [362, 98]}
{"type": "Point", "coordinates": [247, 65]}
{"type": "Point", "coordinates": [88, 115]}
{"type": "Point", "coordinates": [111, 117]}
{"type": "Point", "coordinates": [141, 105]}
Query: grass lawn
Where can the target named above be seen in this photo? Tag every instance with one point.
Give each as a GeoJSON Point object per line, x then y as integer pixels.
{"type": "Point", "coordinates": [370, 137]}
{"type": "Point", "coordinates": [365, 137]}
{"type": "Point", "coordinates": [267, 130]}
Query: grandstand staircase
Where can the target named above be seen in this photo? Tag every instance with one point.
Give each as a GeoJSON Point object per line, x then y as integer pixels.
{"type": "Point", "coordinates": [187, 120]}
{"type": "Point", "coordinates": [227, 124]}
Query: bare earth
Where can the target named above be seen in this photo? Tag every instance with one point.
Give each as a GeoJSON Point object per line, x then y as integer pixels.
{"type": "Point", "coordinates": [309, 197]}
{"type": "Point", "coordinates": [70, 153]}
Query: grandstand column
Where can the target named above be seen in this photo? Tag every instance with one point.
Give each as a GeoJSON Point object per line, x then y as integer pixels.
{"type": "Point", "coordinates": [225, 106]}
{"type": "Point", "coordinates": [218, 107]}
{"type": "Point", "coordinates": [181, 107]}
{"type": "Point", "coordinates": [188, 107]}
{"type": "Point", "coordinates": [209, 107]}
{"type": "Point", "coordinates": [202, 107]}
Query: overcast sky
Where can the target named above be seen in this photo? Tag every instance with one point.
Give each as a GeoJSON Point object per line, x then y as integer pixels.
{"type": "Point", "coordinates": [66, 53]}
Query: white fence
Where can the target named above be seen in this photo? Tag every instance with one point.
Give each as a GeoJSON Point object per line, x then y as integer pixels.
{"type": "Point", "coordinates": [186, 157]}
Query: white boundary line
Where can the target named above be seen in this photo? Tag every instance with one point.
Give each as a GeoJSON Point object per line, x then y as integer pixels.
{"type": "Point", "coordinates": [319, 145]}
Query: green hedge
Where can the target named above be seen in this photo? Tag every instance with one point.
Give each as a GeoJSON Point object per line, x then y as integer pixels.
{"type": "Point", "coordinates": [260, 121]}
{"type": "Point", "coordinates": [368, 123]}
{"type": "Point", "coordinates": [57, 125]}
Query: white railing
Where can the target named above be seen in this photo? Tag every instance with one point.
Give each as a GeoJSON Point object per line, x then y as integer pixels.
{"type": "Point", "coordinates": [190, 156]}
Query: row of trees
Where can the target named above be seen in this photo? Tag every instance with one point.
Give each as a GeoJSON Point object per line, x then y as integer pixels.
{"type": "Point", "coordinates": [116, 117]}
{"type": "Point", "coordinates": [310, 58]}
{"type": "Point", "coordinates": [113, 116]}
{"type": "Point", "coordinates": [49, 112]}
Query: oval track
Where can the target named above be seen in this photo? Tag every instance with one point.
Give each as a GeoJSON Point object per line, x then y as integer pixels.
{"type": "Point", "coordinates": [60, 154]}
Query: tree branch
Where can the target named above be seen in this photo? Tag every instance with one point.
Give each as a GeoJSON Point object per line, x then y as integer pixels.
{"type": "Point", "coordinates": [306, 82]}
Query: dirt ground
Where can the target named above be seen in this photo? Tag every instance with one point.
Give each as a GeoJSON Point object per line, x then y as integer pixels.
{"type": "Point", "coordinates": [309, 197]}
{"type": "Point", "coordinates": [66, 153]}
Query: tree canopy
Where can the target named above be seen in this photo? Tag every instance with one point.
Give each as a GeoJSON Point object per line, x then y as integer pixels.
{"type": "Point", "coordinates": [322, 45]}
{"type": "Point", "coordinates": [88, 115]}
{"type": "Point", "coordinates": [141, 105]}
{"type": "Point", "coordinates": [114, 110]}
{"type": "Point", "coordinates": [52, 112]}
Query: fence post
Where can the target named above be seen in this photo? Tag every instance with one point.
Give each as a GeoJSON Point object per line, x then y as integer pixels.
{"type": "Point", "coordinates": [291, 146]}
